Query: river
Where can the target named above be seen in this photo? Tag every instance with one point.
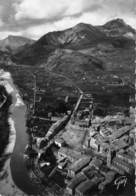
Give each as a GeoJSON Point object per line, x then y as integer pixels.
{"type": "Point", "coordinates": [17, 179]}
{"type": "Point", "coordinates": [18, 168]}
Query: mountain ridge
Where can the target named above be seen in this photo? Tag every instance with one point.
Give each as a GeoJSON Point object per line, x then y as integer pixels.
{"type": "Point", "coordinates": [78, 37]}
{"type": "Point", "coordinates": [86, 55]}
{"type": "Point", "coordinates": [13, 43]}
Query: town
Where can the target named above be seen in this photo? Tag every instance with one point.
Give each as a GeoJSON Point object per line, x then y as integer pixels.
{"type": "Point", "coordinates": [79, 152]}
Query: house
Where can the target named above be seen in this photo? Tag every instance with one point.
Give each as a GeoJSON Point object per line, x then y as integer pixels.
{"type": "Point", "coordinates": [109, 177]}
{"type": "Point", "coordinates": [78, 166]}
{"type": "Point", "coordinates": [89, 171]}
{"type": "Point", "coordinates": [115, 166]}
{"type": "Point", "coordinates": [65, 152]}
{"type": "Point", "coordinates": [86, 186]}
{"type": "Point", "coordinates": [126, 158]}
{"type": "Point", "coordinates": [62, 164]}
{"type": "Point", "coordinates": [59, 142]}
{"type": "Point", "coordinates": [96, 162]}
{"type": "Point", "coordinates": [75, 182]}
{"type": "Point", "coordinates": [128, 168]}
{"type": "Point", "coordinates": [120, 143]}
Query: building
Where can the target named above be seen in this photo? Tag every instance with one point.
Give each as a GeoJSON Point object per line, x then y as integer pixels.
{"type": "Point", "coordinates": [62, 164]}
{"type": "Point", "coordinates": [89, 171]}
{"type": "Point", "coordinates": [96, 162]}
{"type": "Point", "coordinates": [78, 166]}
{"type": "Point", "coordinates": [72, 155]}
{"type": "Point", "coordinates": [128, 168]}
{"type": "Point", "coordinates": [109, 177]}
{"type": "Point", "coordinates": [79, 178]}
{"type": "Point", "coordinates": [86, 186]}
{"type": "Point", "coordinates": [120, 143]}
{"type": "Point", "coordinates": [83, 188]}
{"type": "Point", "coordinates": [56, 127]}
{"type": "Point", "coordinates": [131, 151]}
{"type": "Point", "coordinates": [117, 168]}
{"type": "Point", "coordinates": [130, 159]}
{"type": "Point", "coordinates": [59, 142]}
{"type": "Point", "coordinates": [122, 131]}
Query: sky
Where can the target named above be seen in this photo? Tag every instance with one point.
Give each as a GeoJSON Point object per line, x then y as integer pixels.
{"type": "Point", "coordinates": [34, 18]}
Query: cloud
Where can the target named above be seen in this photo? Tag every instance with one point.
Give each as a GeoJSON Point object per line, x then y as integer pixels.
{"type": "Point", "coordinates": [121, 6]}
{"type": "Point", "coordinates": [66, 22]}
{"type": "Point", "coordinates": [48, 9]}
{"type": "Point", "coordinates": [1, 23]}
{"type": "Point", "coordinates": [1, 13]}
{"type": "Point", "coordinates": [34, 18]}
{"type": "Point", "coordinates": [38, 9]}
{"type": "Point", "coordinates": [4, 34]}
{"type": "Point", "coordinates": [99, 17]}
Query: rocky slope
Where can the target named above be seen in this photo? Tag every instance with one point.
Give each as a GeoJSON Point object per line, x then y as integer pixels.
{"type": "Point", "coordinates": [91, 57]}
{"type": "Point", "coordinates": [5, 58]}
{"type": "Point", "coordinates": [80, 37]}
{"type": "Point", "coordinates": [13, 43]}
{"type": "Point", "coordinates": [112, 43]}
{"type": "Point", "coordinates": [118, 27]}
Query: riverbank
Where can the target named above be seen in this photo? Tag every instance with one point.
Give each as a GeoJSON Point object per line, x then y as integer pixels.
{"type": "Point", "coordinates": [5, 103]}
{"type": "Point", "coordinates": [14, 179]}
{"type": "Point", "coordinates": [7, 83]}
{"type": "Point", "coordinates": [7, 186]}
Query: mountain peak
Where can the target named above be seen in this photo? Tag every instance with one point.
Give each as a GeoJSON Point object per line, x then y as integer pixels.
{"type": "Point", "coordinates": [79, 37]}
{"type": "Point", "coordinates": [17, 38]}
{"type": "Point", "coordinates": [13, 42]}
{"type": "Point", "coordinates": [117, 27]}
{"type": "Point", "coordinates": [80, 34]}
{"type": "Point", "coordinates": [81, 25]}
{"type": "Point", "coordinates": [116, 22]}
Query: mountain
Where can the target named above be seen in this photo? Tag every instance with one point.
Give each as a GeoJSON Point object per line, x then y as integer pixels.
{"type": "Point", "coordinates": [13, 43]}
{"type": "Point", "coordinates": [80, 36]}
{"type": "Point", "coordinates": [90, 57]}
{"type": "Point", "coordinates": [73, 64]}
{"type": "Point", "coordinates": [5, 58]}
{"type": "Point", "coordinates": [115, 51]}
{"type": "Point", "coordinates": [98, 41]}
{"type": "Point", "coordinates": [118, 27]}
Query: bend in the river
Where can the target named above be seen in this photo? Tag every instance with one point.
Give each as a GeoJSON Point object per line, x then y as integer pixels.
{"type": "Point", "coordinates": [17, 167]}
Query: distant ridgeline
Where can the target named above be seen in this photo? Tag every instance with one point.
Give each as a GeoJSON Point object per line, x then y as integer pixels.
{"type": "Point", "coordinates": [5, 102]}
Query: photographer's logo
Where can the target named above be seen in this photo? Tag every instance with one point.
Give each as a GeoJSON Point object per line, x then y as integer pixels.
{"type": "Point", "coordinates": [122, 180]}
